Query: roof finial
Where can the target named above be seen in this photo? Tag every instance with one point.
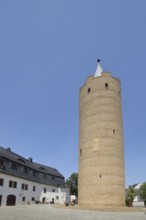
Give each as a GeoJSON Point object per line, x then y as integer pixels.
{"type": "Point", "coordinates": [98, 69]}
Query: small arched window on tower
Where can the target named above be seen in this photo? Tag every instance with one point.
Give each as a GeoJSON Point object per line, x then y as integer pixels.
{"type": "Point", "coordinates": [106, 85]}
{"type": "Point", "coordinates": [114, 131]}
{"type": "Point", "coordinates": [89, 90]}
{"type": "Point", "coordinates": [80, 152]}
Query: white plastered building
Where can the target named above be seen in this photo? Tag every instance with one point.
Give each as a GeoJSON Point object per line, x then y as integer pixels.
{"type": "Point", "coordinates": [24, 182]}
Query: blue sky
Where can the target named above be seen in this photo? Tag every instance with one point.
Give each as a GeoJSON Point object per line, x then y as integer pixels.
{"type": "Point", "coordinates": [47, 49]}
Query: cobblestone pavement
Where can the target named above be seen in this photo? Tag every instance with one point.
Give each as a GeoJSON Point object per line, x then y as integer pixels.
{"type": "Point", "coordinates": [46, 212]}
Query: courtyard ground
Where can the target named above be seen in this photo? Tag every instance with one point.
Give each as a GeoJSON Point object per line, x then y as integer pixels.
{"type": "Point", "coordinates": [47, 212]}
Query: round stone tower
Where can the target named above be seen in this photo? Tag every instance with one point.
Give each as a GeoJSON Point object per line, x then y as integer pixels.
{"type": "Point", "coordinates": [101, 180]}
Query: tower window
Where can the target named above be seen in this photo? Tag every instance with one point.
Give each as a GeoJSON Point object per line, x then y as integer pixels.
{"type": "Point", "coordinates": [106, 85]}
{"type": "Point", "coordinates": [114, 131]}
{"type": "Point", "coordinates": [80, 152]}
{"type": "Point", "coordinates": [89, 90]}
{"type": "Point", "coordinates": [100, 176]}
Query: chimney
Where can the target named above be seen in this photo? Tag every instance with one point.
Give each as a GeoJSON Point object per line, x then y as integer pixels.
{"type": "Point", "coordinates": [30, 159]}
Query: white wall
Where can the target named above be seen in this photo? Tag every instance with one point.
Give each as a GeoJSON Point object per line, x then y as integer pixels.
{"type": "Point", "coordinates": [5, 190]}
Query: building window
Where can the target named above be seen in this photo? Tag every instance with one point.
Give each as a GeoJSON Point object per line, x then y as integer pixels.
{"type": "Point", "coordinates": [1, 165]}
{"type": "Point", "coordinates": [57, 197]}
{"type": "Point", "coordinates": [34, 188]}
{"type": "Point", "coordinates": [12, 184]}
{"type": "Point", "coordinates": [1, 182]}
{"type": "Point", "coordinates": [24, 186]}
{"type": "Point", "coordinates": [32, 199]}
{"type": "Point", "coordinates": [80, 152]}
{"type": "Point", "coordinates": [53, 177]}
{"type": "Point", "coordinates": [23, 198]}
{"type": "Point", "coordinates": [45, 190]}
{"type": "Point", "coordinates": [34, 173]}
{"type": "Point", "coordinates": [25, 170]}
{"type": "Point", "coordinates": [106, 85]}
{"type": "Point", "coordinates": [114, 131]}
{"type": "Point", "coordinates": [53, 190]}
{"type": "Point", "coordinates": [13, 166]}
{"type": "Point", "coordinates": [44, 176]}
{"type": "Point", "coordinates": [89, 90]}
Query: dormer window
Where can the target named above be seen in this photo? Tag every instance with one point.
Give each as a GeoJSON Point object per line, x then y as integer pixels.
{"type": "Point", "coordinates": [13, 165]}
{"type": "Point", "coordinates": [44, 175]}
{"type": "Point", "coordinates": [25, 170]}
{"type": "Point", "coordinates": [34, 173]}
{"type": "Point", "coordinates": [1, 165]}
{"type": "Point", "coordinates": [21, 160]}
{"type": "Point", "coordinates": [42, 168]}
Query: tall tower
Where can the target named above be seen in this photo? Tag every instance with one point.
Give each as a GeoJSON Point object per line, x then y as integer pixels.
{"type": "Point", "coordinates": [101, 180]}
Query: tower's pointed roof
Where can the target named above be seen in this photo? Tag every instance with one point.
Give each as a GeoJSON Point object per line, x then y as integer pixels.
{"type": "Point", "coordinates": [99, 69]}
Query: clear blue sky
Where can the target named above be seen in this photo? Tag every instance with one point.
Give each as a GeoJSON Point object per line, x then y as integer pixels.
{"type": "Point", "coordinates": [47, 49]}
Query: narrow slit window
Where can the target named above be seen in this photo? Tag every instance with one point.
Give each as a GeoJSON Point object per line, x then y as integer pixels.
{"type": "Point", "coordinates": [114, 131]}
{"type": "Point", "coordinates": [106, 85]}
{"type": "Point", "coordinates": [89, 90]}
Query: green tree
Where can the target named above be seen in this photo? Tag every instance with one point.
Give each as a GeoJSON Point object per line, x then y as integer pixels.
{"type": "Point", "coordinates": [130, 195]}
{"type": "Point", "coordinates": [72, 184]}
{"type": "Point", "coordinates": [143, 192]}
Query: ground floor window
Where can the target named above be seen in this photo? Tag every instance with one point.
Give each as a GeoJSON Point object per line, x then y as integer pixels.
{"type": "Point", "coordinates": [34, 188]}
{"type": "Point", "coordinates": [23, 198]}
{"type": "Point", "coordinates": [0, 200]}
{"type": "Point", "coordinates": [45, 190]}
{"type": "Point", "coordinates": [1, 182]}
